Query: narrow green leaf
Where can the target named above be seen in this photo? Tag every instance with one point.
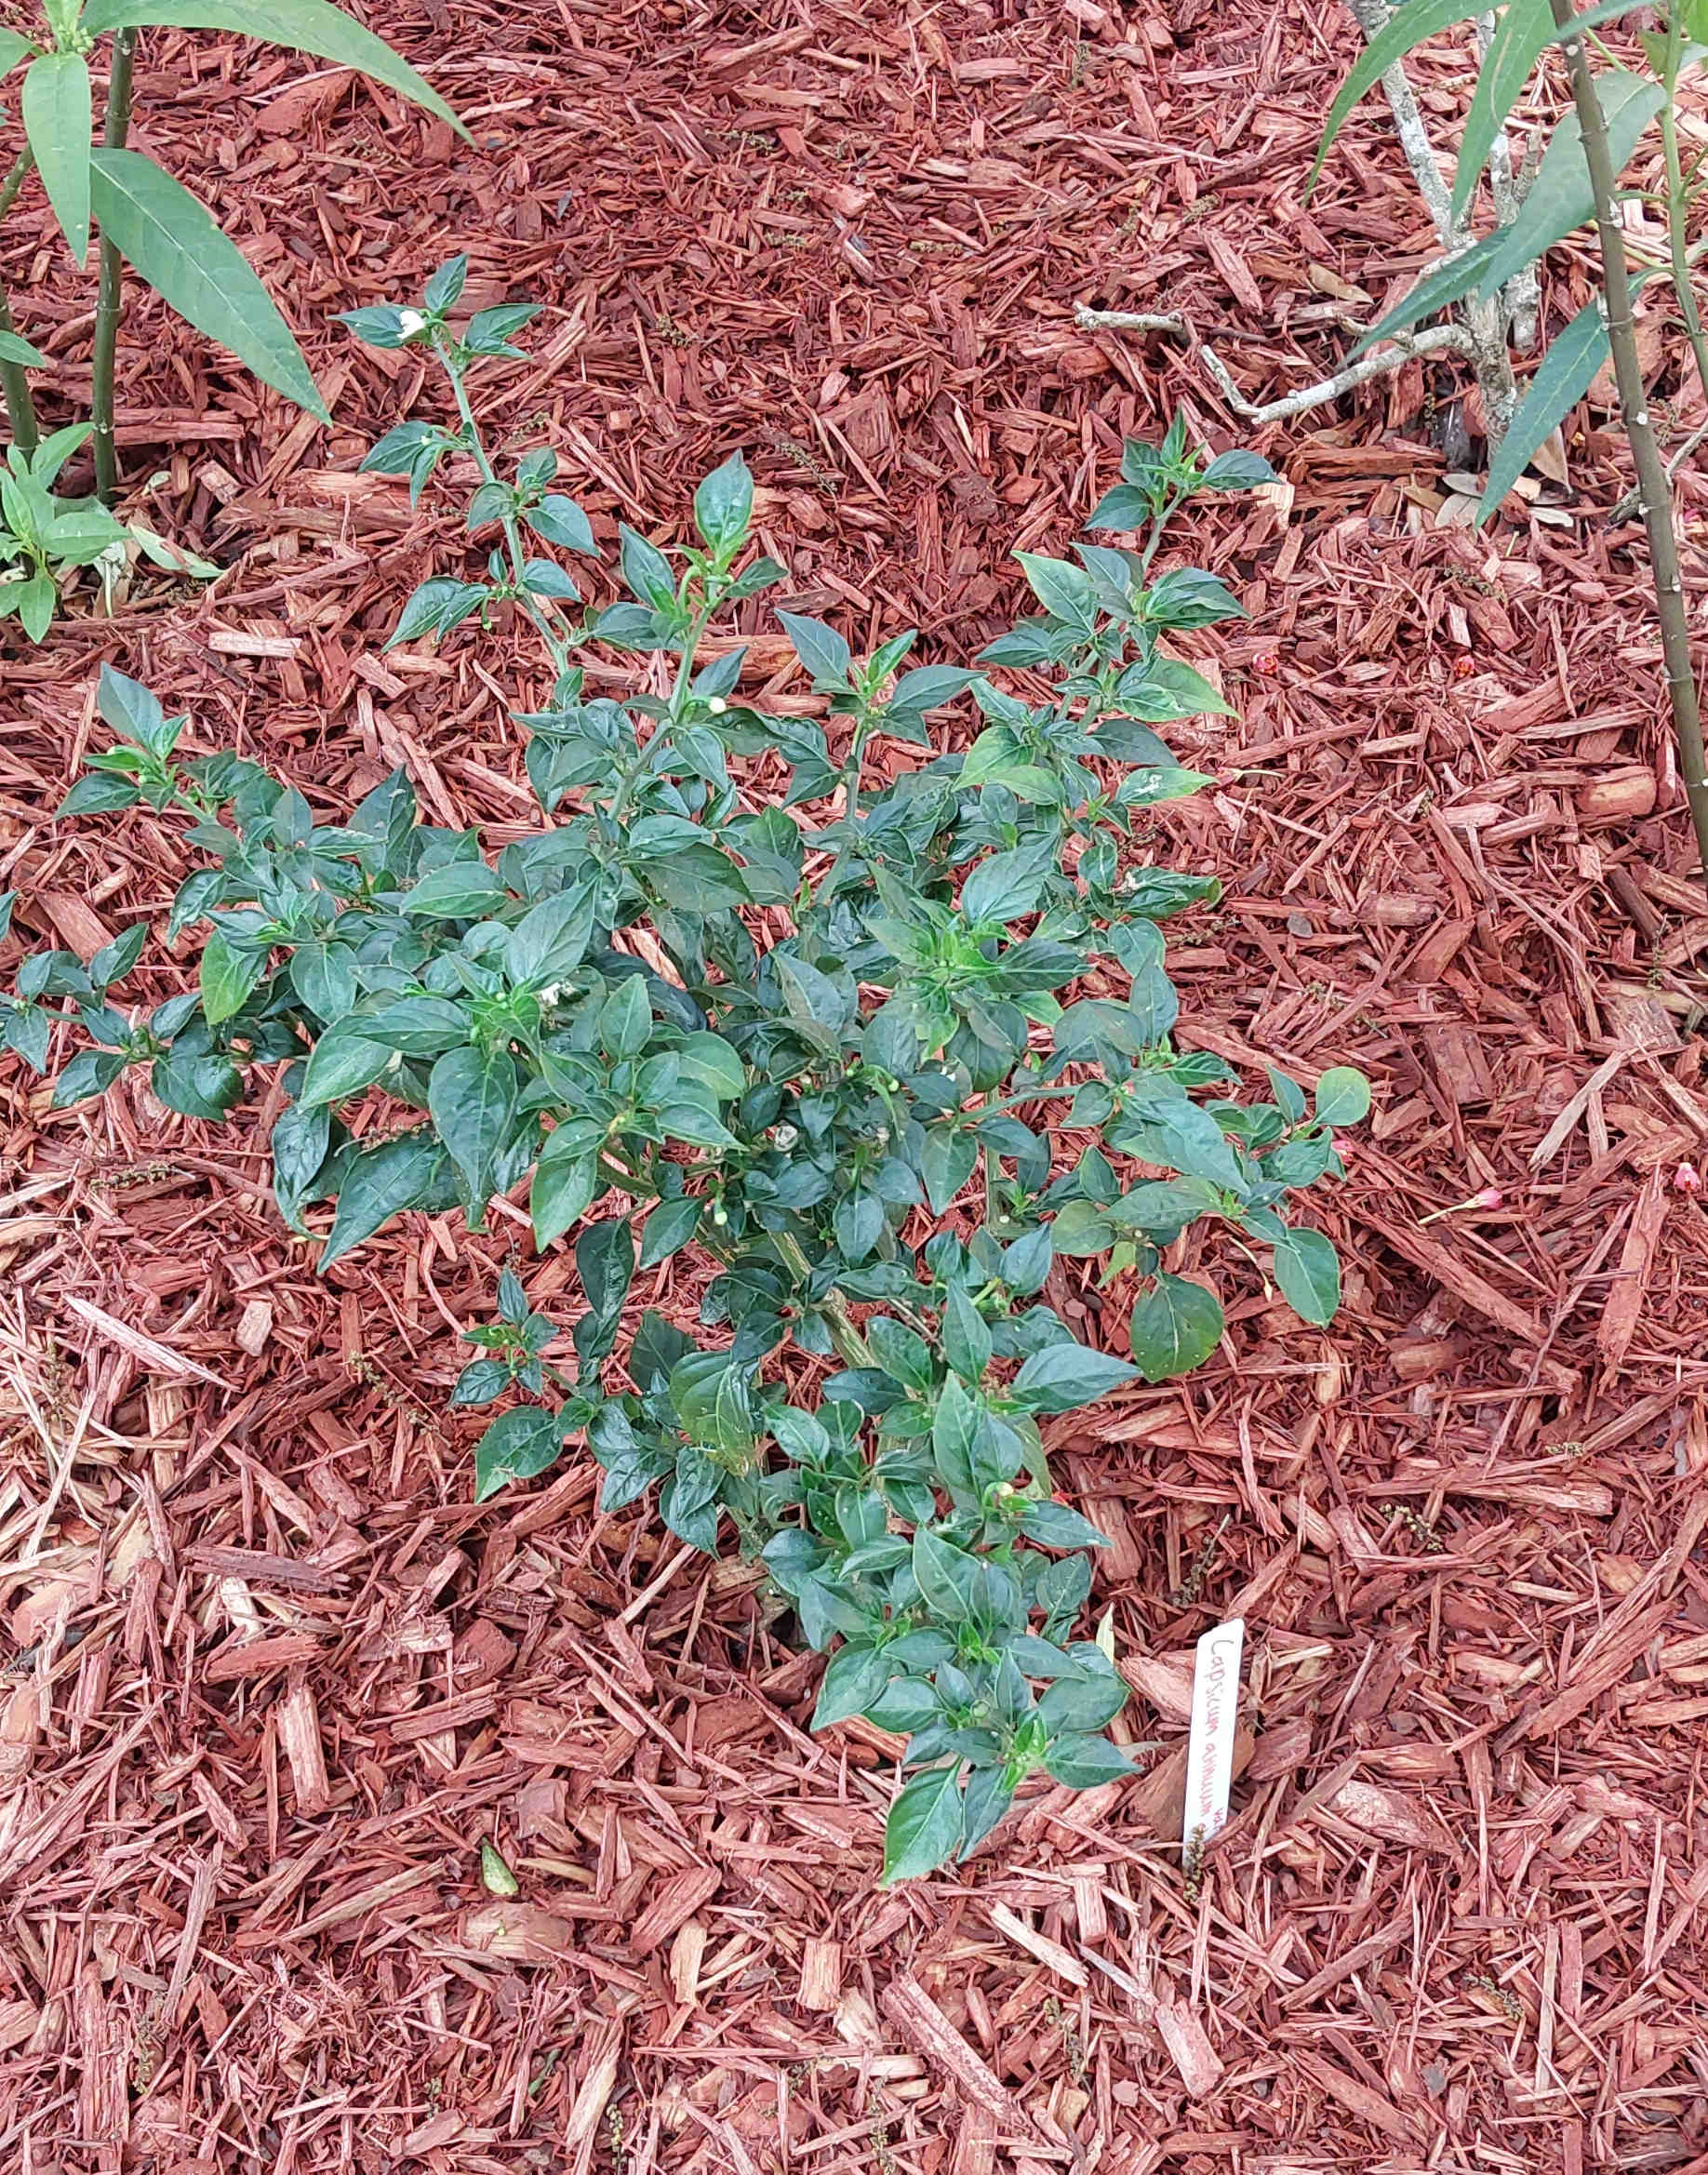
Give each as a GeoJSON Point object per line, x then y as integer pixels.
{"type": "Point", "coordinates": [1523, 29]}
{"type": "Point", "coordinates": [14, 349]}
{"type": "Point", "coordinates": [1572, 360]}
{"type": "Point", "coordinates": [1406, 27]}
{"type": "Point", "coordinates": [14, 48]}
{"type": "Point", "coordinates": [1437, 290]}
{"type": "Point", "coordinates": [1526, 29]}
{"type": "Point", "coordinates": [172, 240]}
{"type": "Point", "coordinates": [57, 118]}
{"type": "Point", "coordinates": [1561, 196]}
{"type": "Point", "coordinates": [307, 26]}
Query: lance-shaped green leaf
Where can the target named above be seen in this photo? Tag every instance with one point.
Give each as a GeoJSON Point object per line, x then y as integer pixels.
{"type": "Point", "coordinates": [1523, 31]}
{"type": "Point", "coordinates": [307, 26]}
{"type": "Point", "coordinates": [159, 227]}
{"type": "Point", "coordinates": [57, 124]}
{"type": "Point", "coordinates": [1406, 28]}
{"type": "Point", "coordinates": [472, 1094]}
{"type": "Point", "coordinates": [14, 48]}
{"type": "Point", "coordinates": [1561, 197]}
{"type": "Point", "coordinates": [1572, 360]}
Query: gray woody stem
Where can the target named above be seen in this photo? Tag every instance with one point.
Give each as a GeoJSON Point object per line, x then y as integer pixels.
{"type": "Point", "coordinates": [19, 404]}
{"type": "Point", "coordinates": [1437, 339]}
{"type": "Point", "coordinates": [1484, 322]}
{"type": "Point", "coordinates": [1656, 499]}
{"type": "Point", "coordinates": [109, 293]}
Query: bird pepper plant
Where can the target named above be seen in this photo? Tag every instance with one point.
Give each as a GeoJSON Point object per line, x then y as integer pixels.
{"type": "Point", "coordinates": [863, 1044]}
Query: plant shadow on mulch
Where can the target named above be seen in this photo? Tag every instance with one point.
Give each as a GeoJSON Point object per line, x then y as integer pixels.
{"type": "Point", "coordinates": [271, 1679]}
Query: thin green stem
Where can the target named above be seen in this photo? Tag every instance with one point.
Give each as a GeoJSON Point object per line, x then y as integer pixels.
{"type": "Point", "coordinates": [1678, 204]}
{"type": "Point", "coordinates": [845, 1331]}
{"type": "Point", "coordinates": [14, 384]}
{"type": "Point", "coordinates": [558, 648]}
{"type": "Point", "coordinates": [1656, 496]}
{"type": "Point", "coordinates": [110, 292]}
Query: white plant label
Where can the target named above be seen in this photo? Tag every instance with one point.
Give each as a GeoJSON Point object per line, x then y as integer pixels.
{"type": "Point", "coordinates": [1210, 1749]}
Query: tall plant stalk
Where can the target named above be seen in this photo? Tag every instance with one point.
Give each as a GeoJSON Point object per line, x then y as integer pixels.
{"type": "Point", "coordinates": [1656, 499]}
{"type": "Point", "coordinates": [14, 384]}
{"type": "Point", "coordinates": [110, 293]}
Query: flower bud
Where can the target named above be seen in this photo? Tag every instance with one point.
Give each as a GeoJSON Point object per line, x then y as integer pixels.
{"type": "Point", "coordinates": [410, 322]}
{"type": "Point", "coordinates": [718, 706]}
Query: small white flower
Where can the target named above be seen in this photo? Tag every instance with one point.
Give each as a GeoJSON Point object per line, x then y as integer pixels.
{"type": "Point", "coordinates": [410, 322]}
{"type": "Point", "coordinates": [549, 996]}
{"type": "Point", "coordinates": [882, 1135]}
{"type": "Point", "coordinates": [718, 706]}
{"type": "Point", "coordinates": [784, 1137]}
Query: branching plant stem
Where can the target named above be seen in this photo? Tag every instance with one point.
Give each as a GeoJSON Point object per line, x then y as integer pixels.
{"type": "Point", "coordinates": [1656, 502]}
{"type": "Point", "coordinates": [1405, 347]}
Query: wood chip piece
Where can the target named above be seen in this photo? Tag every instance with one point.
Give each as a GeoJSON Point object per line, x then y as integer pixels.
{"type": "Point", "coordinates": [1047, 1951]}
{"type": "Point", "coordinates": [676, 1902]}
{"type": "Point", "coordinates": [820, 1975]}
{"type": "Point", "coordinates": [1189, 2048]}
{"type": "Point", "coordinates": [300, 1735]}
{"type": "Point", "coordinates": [1393, 1815]}
{"type": "Point", "coordinates": [924, 2027]}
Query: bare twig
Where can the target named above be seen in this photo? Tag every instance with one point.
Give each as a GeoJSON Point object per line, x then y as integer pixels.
{"type": "Point", "coordinates": [1130, 321]}
{"type": "Point", "coordinates": [1406, 347]}
{"type": "Point", "coordinates": [1437, 339]}
{"type": "Point", "coordinates": [1657, 499]}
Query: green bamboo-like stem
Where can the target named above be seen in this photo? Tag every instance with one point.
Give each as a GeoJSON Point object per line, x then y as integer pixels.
{"type": "Point", "coordinates": [1678, 207]}
{"type": "Point", "coordinates": [1656, 501]}
{"type": "Point", "coordinates": [109, 295]}
{"type": "Point", "coordinates": [14, 384]}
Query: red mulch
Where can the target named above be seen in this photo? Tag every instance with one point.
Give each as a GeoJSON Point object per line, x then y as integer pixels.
{"type": "Point", "coordinates": [271, 1679]}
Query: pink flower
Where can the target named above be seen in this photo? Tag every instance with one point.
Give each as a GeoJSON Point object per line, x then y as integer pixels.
{"type": "Point", "coordinates": [1686, 1178]}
